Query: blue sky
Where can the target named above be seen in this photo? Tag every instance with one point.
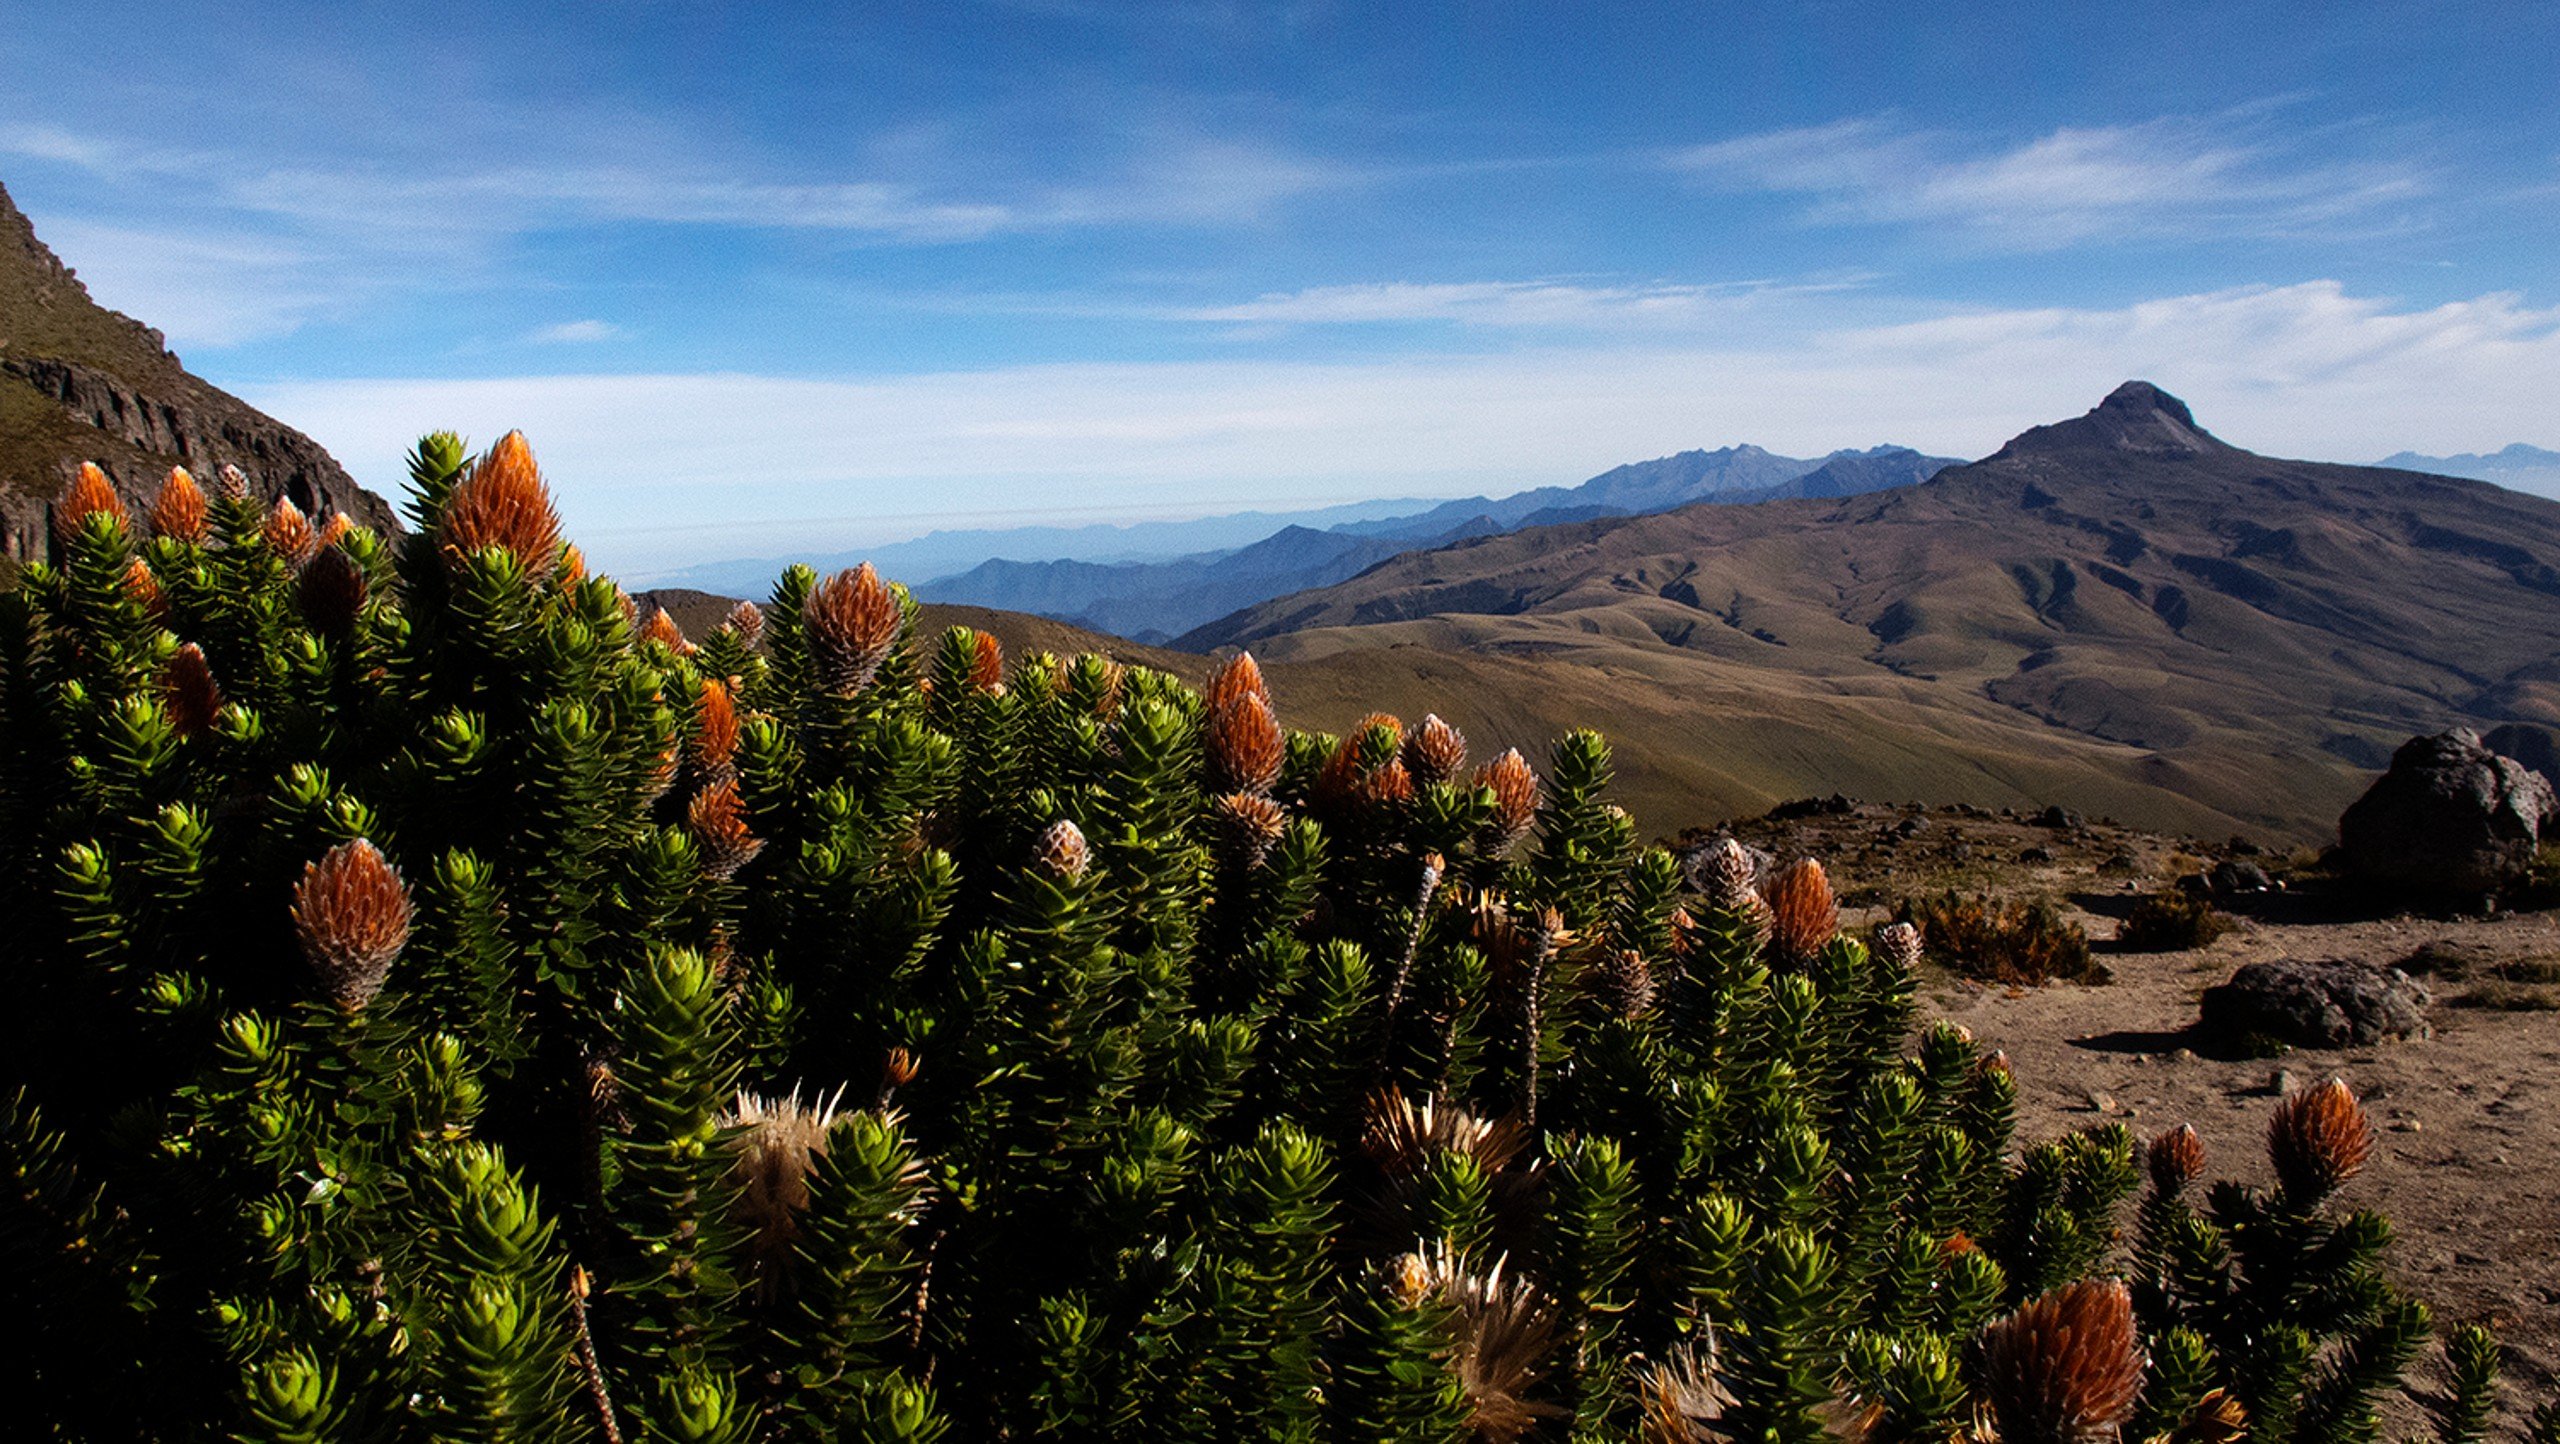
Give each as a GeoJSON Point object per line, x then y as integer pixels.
{"type": "Point", "coordinates": [776, 278]}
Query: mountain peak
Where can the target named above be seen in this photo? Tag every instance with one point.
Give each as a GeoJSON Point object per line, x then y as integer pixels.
{"type": "Point", "coordinates": [2136, 416]}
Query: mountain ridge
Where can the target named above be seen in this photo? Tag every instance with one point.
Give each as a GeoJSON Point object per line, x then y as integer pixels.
{"type": "Point", "coordinates": [79, 382]}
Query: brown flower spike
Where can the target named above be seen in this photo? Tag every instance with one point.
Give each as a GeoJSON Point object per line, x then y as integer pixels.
{"type": "Point", "coordinates": [719, 822]}
{"type": "Point", "coordinates": [351, 911]}
{"type": "Point", "coordinates": [90, 492]}
{"type": "Point", "coordinates": [1435, 752]}
{"type": "Point", "coordinates": [776, 1142]}
{"type": "Point", "coordinates": [2176, 1159]}
{"type": "Point", "coordinates": [2065, 1369]}
{"type": "Point", "coordinates": [504, 503]}
{"type": "Point", "coordinates": [1250, 825]}
{"type": "Point", "coordinates": [231, 483]}
{"type": "Point", "coordinates": [192, 698]}
{"type": "Point", "coordinates": [853, 619]}
{"type": "Point", "coordinates": [1246, 748]}
{"type": "Point", "coordinates": [1803, 915]}
{"type": "Point", "coordinates": [178, 512]}
{"type": "Point", "coordinates": [331, 592]}
{"type": "Point", "coordinates": [2318, 1139]}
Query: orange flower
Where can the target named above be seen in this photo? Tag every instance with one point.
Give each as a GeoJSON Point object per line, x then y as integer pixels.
{"type": "Point", "coordinates": [719, 822]}
{"type": "Point", "coordinates": [715, 737]}
{"type": "Point", "coordinates": [853, 619]}
{"type": "Point", "coordinates": [986, 662]}
{"type": "Point", "coordinates": [504, 503]}
{"type": "Point", "coordinates": [288, 533]}
{"type": "Point", "coordinates": [351, 911]}
{"type": "Point", "coordinates": [1240, 676]}
{"type": "Point", "coordinates": [178, 511]}
{"type": "Point", "coordinates": [89, 492]}
{"type": "Point", "coordinates": [2175, 1158]}
{"type": "Point", "coordinates": [2319, 1138]}
{"type": "Point", "coordinates": [143, 587]}
{"type": "Point", "coordinates": [2065, 1369]}
{"type": "Point", "coordinates": [662, 629]}
{"type": "Point", "coordinates": [1515, 798]}
{"type": "Point", "coordinates": [336, 528]}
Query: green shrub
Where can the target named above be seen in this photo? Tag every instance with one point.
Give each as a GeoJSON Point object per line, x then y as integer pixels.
{"type": "Point", "coordinates": [446, 1005]}
{"type": "Point", "coordinates": [2171, 922]}
{"type": "Point", "coordinates": [2022, 943]}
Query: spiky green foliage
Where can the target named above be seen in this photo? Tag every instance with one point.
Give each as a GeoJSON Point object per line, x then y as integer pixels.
{"type": "Point", "coordinates": [1310, 1090]}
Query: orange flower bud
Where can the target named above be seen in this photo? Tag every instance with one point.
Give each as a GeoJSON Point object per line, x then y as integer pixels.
{"type": "Point", "coordinates": [1435, 752]}
{"type": "Point", "coordinates": [1515, 798]}
{"type": "Point", "coordinates": [2319, 1138]}
{"type": "Point", "coordinates": [662, 629]}
{"type": "Point", "coordinates": [1803, 915]}
{"type": "Point", "coordinates": [853, 619]}
{"type": "Point", "coordinates": [986, 662]}
{"type": "Point", "coordinates": [504, 503]}
{"type": "Point", "coordinates": [89, 492]}
{"type": "Point", "coordinates": [715, 736]}
{"type": "Point", "coordinates": [178, 512]}
{"type": "Point", "coordinates": [2065, 1369]}
{"type": "Point", "coordinates": [351, 911]}
{"type": "Point", "coordinates": [2175, 1158]}
{"type": "Point", "coordinates": [288, 533]}
{"type": "Point", "coordinates": [1239, 676]}
{"type": "Point", "coordinates": [1246, 749]}
{"type": "Point", "coordinates": [719, 822]}
{"type": "Point", "coordinates": [191, 696]}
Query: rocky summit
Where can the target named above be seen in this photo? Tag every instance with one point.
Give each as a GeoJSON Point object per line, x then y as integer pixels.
{"type": "Point", "coordinates": [79, 382]}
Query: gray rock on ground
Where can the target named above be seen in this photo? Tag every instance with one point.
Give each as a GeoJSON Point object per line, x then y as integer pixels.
{"type": "Point", "coordinates": [2327, 1003]}
{"type": "Point", "coordinates": [2450, 819]}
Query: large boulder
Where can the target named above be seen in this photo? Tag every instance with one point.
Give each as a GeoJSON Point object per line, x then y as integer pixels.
{"type": "Point", "coordinates": [2331, 1003]}
{"type": "Point", "coordinates": [2451, 818]}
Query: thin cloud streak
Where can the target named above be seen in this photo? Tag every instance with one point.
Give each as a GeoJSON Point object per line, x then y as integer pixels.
{"type": "Point", "coordinates": [2308, 370]}
{"type": "Point", "coordinates": [2168, 177]}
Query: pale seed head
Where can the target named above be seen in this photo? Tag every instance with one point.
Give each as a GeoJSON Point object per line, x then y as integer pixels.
{"type": "Point", "coordinates": [1435, 752]}
{"type": "Point", "coordinates": [1061, 852]}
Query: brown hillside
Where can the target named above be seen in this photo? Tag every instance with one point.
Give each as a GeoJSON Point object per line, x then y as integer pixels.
{"type": "Point", "coordinates": [81, 383]}
{"type": "Point", "coordinates": [2118, 612]}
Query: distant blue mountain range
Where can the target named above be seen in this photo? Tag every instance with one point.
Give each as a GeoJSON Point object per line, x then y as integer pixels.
{"type": "Point", "coordinates": [2519, 467]}
{"type": "Point", "coordinates": [1155, 580]}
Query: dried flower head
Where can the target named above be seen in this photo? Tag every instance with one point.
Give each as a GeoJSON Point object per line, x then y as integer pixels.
{"type": "Point", "coordinates": [1515, 800]}
{"type": "Point", "coordinates": [719, 822]}
{"type": "Point", "coordinates": [178, 512]}
{"type": "Point", "coordinates": [2319, 1138]}
{"type": "Point", "coordinates": [1681, 1398]}
{"type": "Point", "coordinates": [774, 1143]}
{"type": "Point", "coordinates": [853, 619]}
{"type": "Point", "coordinates": [331, 592]}
{"type": "Point", "coordinates": [351, 911]}
{"type": "Point", "coordinates": [231, 483]}
{"type": "Point", "coordinates": [144, 588]}
{"type": "Point", "coordinates": [89, 493]}
{"type": "Point", "coordinates": [1249, 826]}
{"type": "Point", "coordinates": [288, 533]}
{"type": "Point", "coordinates": [715, 730]}
{"type": "Point", "coordinates": [1803, 915]}
{"type": "Point", "coordinates": [1238, 677]}
{"type": "Point", "coordinates": [2065, 1369]}
{"type": "Point", "coordinates": [898, 1069]}
{"type": "Point", "coordinates": [747, 620]}
{"type": "Point", "coordinates": [1402, 1136]}
{"type": "Point", "coordinates": [986, 662]}
{"type": "Point", "coordinates": [2176, 1159]}
{"type": "Point", "coordinates": [1061, 852]}
{"type": "Point", "coordinates": [1408, 1279]}
{"type": "Point", "coordinates": [1724, 872]}
{"type": "Point", "coordinates": [1898, 947]}
{"type": "Point", "coordinates": [1435, 752]}
{"type": "Point", "coordinates": [504, 503]}
{"type": "Point", "coordinates": [1622, 984]}
{"type": "Point", "coordinates": [190, 694]}
{"type": "Point", "coordinates": [1246, 749]}
{"type": "Point", "coordinates": [1505, 1336]}
{"type": "Point", "coordinates": [662, 629]}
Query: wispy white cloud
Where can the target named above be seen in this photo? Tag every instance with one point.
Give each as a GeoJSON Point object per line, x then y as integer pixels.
{"type": "Point", "coordinates": [793, 464]}
{"type": "Point", "coordinates": [2230, 175]}
{"type": "Point", "coordinates": [574, 333]}
{"type": "Point", "coordinates": [1511, 303]}
{"type": "Point", "coordinates": [207, 287]}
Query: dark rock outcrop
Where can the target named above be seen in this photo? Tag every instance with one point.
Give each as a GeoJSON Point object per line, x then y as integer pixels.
{"type": "Point", "coordinates": [2331, 1003]}
{"type": "Point", "coordinates": [2451, 819]}
{"type": "Point", "coordinates": [81, 383]}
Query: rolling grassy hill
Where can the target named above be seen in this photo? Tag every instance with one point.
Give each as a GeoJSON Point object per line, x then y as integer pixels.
{"type": "Point", "coordinates": [2119, 612]}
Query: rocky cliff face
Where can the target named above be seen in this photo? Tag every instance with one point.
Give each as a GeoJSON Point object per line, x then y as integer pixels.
{"type": "Point", "coordinates": [81, 383]}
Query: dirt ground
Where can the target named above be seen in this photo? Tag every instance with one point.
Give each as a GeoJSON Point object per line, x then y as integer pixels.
{"type": "Point", "coordinates": [2468, 1163]}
